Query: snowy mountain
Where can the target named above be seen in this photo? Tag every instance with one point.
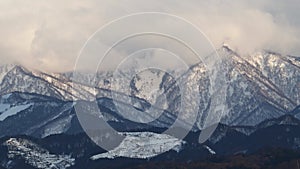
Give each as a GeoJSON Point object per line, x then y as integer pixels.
{"type": "Point", "coordinates": [261, 86]}
{"type": "Point", "coordinates": [15, 78]}
{"type": "Point", "coordinates": [32, 114]}
{"type": "Point", "coordinates": [41, 116]}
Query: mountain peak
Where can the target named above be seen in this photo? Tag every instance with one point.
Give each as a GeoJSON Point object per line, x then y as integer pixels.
{"type": "Point", "coordinates": [8, 67]}
{"type": "Point", "coordinates": [227, 49]}
{"type": "Point", "coordinates": [4, 69]}
{"type": "Point", "coordinates": [225, 45]}
{"type": "Point", "coordinates": [21, 68]}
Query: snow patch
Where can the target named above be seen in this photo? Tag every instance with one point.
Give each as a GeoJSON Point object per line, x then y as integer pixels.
{"type": "Point", "coordinates": [58, 127]}
{"type": "Point", "coordinates": [4, 107]}
{"type": "Point", "coordinates": [37, 156]}
{"type": "Point", "coordinates": [142, 145]}
{"type": "Point", "coordinates": [209, 149]}
{"type": "Point", "coordinates": [13, 111]}
{"type": "Point", "coordinates": [6, 96]}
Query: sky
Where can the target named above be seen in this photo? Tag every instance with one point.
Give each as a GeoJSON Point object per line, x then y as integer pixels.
{"type": "Point", "coordinates": [48, 35]}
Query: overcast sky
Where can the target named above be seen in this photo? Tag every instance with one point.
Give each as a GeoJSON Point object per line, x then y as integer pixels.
{"type": "Point", "coordinates": [48, 35]}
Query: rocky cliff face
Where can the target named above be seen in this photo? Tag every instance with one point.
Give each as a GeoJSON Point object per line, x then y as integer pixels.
{"type": "Point", "coordinates": [260, 86]}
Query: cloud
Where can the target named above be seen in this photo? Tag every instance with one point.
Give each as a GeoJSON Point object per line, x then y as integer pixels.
{"type": "Point", "coordinates": [48, 35]}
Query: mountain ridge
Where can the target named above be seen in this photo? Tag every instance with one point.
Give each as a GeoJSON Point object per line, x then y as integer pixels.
{"type": "Point", "coordinates": [260, 87]}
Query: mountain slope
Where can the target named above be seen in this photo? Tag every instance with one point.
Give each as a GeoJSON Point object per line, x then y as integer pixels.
{"type": "Point", "coordinates": [19, 79]}
{"type": "Point", "coordinates": [261, 86]}
{"type": "Point", "coordinates": [276, 143]}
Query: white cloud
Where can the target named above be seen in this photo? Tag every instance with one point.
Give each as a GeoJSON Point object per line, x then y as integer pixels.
{"type": "Point", "coordinates": [49, 34]}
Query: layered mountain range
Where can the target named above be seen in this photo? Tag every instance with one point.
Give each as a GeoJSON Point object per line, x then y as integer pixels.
{"type": "Point", "coordinates": [261, 86]}
{"type": "Point", "coordinates": [262, 95]}
{"type": "Point", "coordinates": [273, 142]}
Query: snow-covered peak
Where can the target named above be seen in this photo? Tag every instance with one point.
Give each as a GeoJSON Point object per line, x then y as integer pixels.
{"type": "Point", "coordinates": [226, 46]}
{"type": "Point", "coordinates": [15, 78]}
{"type": "Point", "coordinates": [4, 69]}
{"type": "Point", "coordinates": [260, 86]}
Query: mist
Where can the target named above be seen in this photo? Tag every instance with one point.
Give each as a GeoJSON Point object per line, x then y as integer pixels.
{"type": "Point", "coordinates": [48, 35]}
